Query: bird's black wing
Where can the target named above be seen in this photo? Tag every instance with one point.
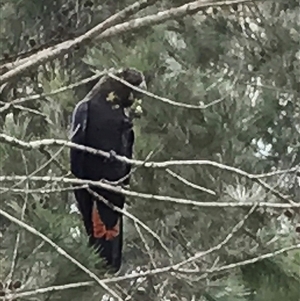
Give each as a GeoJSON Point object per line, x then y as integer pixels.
{"type": "Point", "coordinates": [111, 250]}
{"type": "Point", "coordinates": [78, 136]}
{"type": "Point", "coordinates": [105, 219]}
{"type": "Point", "coordinates": [129, 153]}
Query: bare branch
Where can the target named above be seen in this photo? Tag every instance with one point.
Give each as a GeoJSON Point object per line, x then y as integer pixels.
{"type": "Point", "coordinates": [8, 106]}
{"type": "Point", "coordinates": [148, 249]}
{"type": "Point", "coordinates": [41, 167]}
{"type": "Point", "coordinates": [39, 144]}
{"type": "Point", "coordinates": [150, 164]}
{"type": "Point", "coordinates": [135, 194]}
{"type": "Point", "coordinates": [44, 190]}
{"type": "Point", "coordinates": [163, 99]}
{"type": "Point", "coordinates": [60, 251]}
{"type": "Point", "coordinates": [273, 190]}
{"type": "Point", "coordinates": [152, 272]}
{"type": "Point", "coordinates": [53, 52]}
{"type": "Point", "coordinates": [172, 102]}
{"type": "Point", "coordinates": [55, 92]}
{"type": "Point", "coordinates": [250, 261]}
{"type": "Point", "coordinates": [96, 76]}
{"type": "Point", "coordinates": [227, 267]}
{"type": "Point", "coordinates": [234, 230]}
{"type": "Point", "coordinates": [46, 290]}
{"type": "Point", "coordinates": [107, 29]}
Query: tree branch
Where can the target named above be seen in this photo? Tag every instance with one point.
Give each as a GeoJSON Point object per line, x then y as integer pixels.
{"type": "Point", "coordinates": [54, 92]}
{"type": "Point", "coordinates": [108, 29]}
{"type": "Point", "coordinates": [53, 52]}
{"type": "Point", "coordinates": [37, 144]}
{"type": "Point", "coordinates": [172, 102]}
{"type": "Point", "coordinates": [153, 272]}
{"type": "Point", "coordinates": [149, 196]}
{"type": "Point", "coordinates": [7, 106]}
{"type": "Point", "coordinates": [234, 230]}
{"type": "Point", "coordinates": [249, 261]}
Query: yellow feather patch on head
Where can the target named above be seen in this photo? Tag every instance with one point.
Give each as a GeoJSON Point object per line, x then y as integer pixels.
{"type": "Point", "coordinates": [111, 96]}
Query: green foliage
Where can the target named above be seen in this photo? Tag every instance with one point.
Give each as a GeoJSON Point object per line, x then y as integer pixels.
{"type": "Point", "coordinates": [243, 64]}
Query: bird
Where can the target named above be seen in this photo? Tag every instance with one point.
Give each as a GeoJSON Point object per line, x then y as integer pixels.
{"type": "Point", "coordinates": [103, 120]}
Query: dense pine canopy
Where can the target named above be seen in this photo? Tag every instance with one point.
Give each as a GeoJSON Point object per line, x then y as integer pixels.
{"type": "Point", "coordinates": [213, 212]}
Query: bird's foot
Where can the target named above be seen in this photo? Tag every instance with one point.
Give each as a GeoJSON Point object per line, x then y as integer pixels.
{"type": "Point", "coordinates": [112, 156]}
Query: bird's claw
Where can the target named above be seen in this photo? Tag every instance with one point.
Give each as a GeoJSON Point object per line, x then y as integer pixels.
{"type": "Point", "coordinates": [112, 156]}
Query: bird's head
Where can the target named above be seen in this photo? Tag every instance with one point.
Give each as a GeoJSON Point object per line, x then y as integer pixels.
{"type": "Point", "coordinates": [119, 89]}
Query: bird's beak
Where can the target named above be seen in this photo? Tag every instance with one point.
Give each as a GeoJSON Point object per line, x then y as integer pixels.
{"type": "Point", "coordinates": [137, 110]}
{"type": "Point", "coordinates": [143, 85]}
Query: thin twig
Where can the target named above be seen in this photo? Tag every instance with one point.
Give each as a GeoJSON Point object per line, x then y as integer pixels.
{"type": "Point", "coordinates": [154, 96]}
{"type": "Point", "coordinates": [145, 244]}
{"type": "Point", "coordinates": [172, 102]}
{"type": "Point", "coordinates": [249, 261]}
{"type": "Point", "coordinates": [45, 290]}
{"type": "Point", "coordinates": [44, 190]}
{"type": "Point", "coordinates": [40, 168]}
{"type": "Point", "coordinates": [188, 183]}
{"type": "Point", "coordinates": [8, 106]}
{"type": "Point", "coordinates": [273, 190]}
{"type": "Point", "coordinates": [17, 242]}
{"type": "Point", "coordinates": [51, 158]}
{"type": "Point", "coordinates": [131, 193]}
{"type": "Point", "coordinates": [234, 230]}
{"type": "Point", "coordinates": [55, 92]}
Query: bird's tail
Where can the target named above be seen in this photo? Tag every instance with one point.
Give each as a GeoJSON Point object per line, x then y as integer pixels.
{"type": "Point", "coordinates": [108, 241]}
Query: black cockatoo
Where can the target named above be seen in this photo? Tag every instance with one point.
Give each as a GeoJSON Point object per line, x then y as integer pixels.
{"type": "Point", "coordinates": [103, 120]}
